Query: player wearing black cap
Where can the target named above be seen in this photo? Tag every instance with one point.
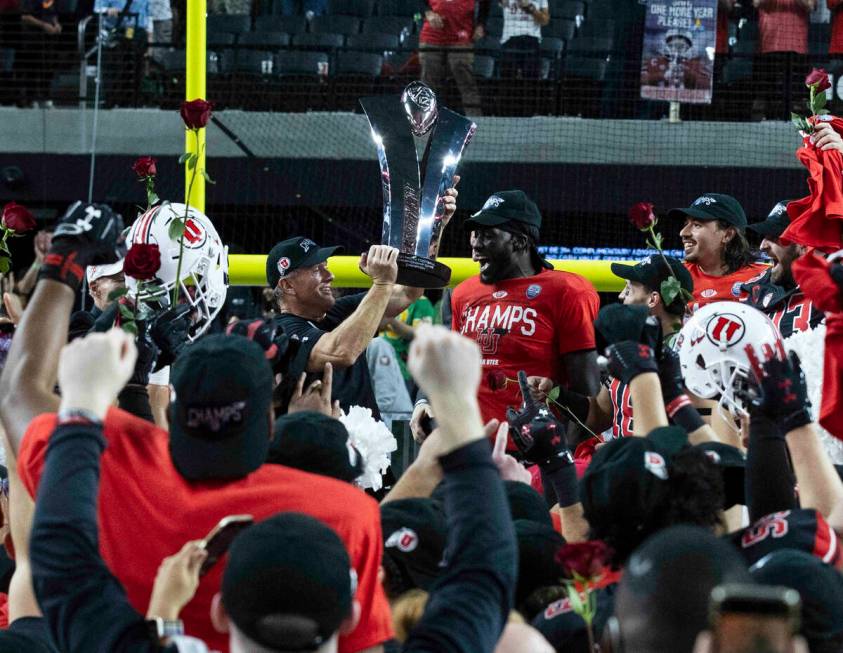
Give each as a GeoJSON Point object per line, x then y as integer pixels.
{"type": "Point", "coordinates": [777, 293]}
{"type": "Point", "coordinates": [522, 313]}
{"type": "Point", "coordinates": [716, 251]}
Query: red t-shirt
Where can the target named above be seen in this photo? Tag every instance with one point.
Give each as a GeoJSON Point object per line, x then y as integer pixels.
{"type": "Point", "coordinates": [726, 288]}
{"type": "Point", "coordinates": [147, 511]}
{"type": "Point", "coordinates": [835, 46]}
{"type": "Point", "coordinates": [783, 27]}
{"type": "Point", "coordinates": [458, 19]}
{"type": "Point", "coordinates": [722, 41]}
{"type": "Point", "coordinates": [524, 324]}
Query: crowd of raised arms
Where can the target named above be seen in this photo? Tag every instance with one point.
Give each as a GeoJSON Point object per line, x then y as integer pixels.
{"type": "Point", "coordinates": [656, 475]}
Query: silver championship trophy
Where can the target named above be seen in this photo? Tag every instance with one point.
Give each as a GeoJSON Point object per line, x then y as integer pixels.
{"type": "Point", "coordinates": [413, 208]}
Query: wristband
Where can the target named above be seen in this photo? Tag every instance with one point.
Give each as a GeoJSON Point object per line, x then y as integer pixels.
{"type": "Point", "coordinates": [421, 402]}
{"type": "Point", "coordinates": [564, 481]}
{"type": "Point", "coordinates": [163, 628]}
{"type": "Point", "coordinates": [63, 268]}
{"type": "Point", "coordinates": [682, 413]}
{"type": "Point", "coordinates": [78, 416]}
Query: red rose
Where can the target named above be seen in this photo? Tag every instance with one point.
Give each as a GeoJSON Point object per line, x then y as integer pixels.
{"type": "Point", "coordinates": [641, 215]}
{"type": "Point", "coordinates": [196, 113]}
{"type": "Point", "coordinates": [583, 560]}
{"type": "Point", "coordinates": [142, 261]}
{"type": "Point", "coordinates": [819, 79]}
{"type": "Point", "coordinates": [145, 167]}
{"type": "Point", "coordinates": [17, 218]}
{"type": "Point", "coordinates": [496, 380]}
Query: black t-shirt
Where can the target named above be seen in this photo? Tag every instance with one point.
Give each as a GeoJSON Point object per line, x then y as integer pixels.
{"type": "Point", "coordinates": [42, 9]}
{"type": "Point", "coordinates": [352, 385]}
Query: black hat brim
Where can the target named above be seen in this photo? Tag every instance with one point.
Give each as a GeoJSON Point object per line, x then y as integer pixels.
{"type": "Point", "coordinates": [319, 255]}
{"type": "Point", "coordinates": [767, 228]}
{"type": "Point", "coordinates": [625, 271]}
{"type": "Point", "coordinates": [485, 220]}
{"type": "Point", "coordinates": [690, 212]}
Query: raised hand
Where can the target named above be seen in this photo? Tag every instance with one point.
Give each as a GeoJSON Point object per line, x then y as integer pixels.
{"type": "Point", "coordinates": [628, 359]}
{"type": "Point", "coordinates": [381, 264]}
{"type": "Point", "coordinates": [316, 397]}
{"type": "Point", "coordinates": [778, 387]}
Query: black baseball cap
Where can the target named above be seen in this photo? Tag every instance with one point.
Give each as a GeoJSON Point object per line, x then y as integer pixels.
{"type": "Point", "coordinates": [315, 443]}
{"type": "Point", "coordinates": [627, 477]}
{"type": "Point", "coordinates": [653, 270]}
{"type": "Point", "coordinates": [292, 254]}
{"type": "Point", "coordinates": [618, 322]}
{"type": "Point", "coordinates": [289, 583]}
{"type": "Point", "coordinates": [775, 223]}
{"type": "Point", "coordinates": [526, 504]}
{"type": "Point", "coordinates": [714, 206]}
{"type": "Point", "coordinates": [819, 585]}
{"type": "Point", "coordinates": [222, 390]}
{"type": "Point", "coordinates": [732, 464]}
{"type": "Point", "coordinates": [414, 535]}
{"type": "Point", "coordinates": [506, 206]}
{"type": "Point", "coordinates": [537, 566]}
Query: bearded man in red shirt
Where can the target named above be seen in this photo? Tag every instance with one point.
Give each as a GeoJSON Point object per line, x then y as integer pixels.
{"type": "Point", "coordinates": [446, 45]}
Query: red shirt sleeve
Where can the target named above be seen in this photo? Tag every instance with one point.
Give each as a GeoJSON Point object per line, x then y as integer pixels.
{"type": "Point", "coordinates": [33, 449]}
{"type": "Point", "coordinates": [578, 309]}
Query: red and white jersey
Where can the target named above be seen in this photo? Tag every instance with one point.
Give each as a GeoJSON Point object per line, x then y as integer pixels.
{"type": "Point", "coordinates": [621, 399]}
{"type": "Point", "coordinates": [726, 288]}
{"type": "Point", "coordinates": [524, 324]}
{"type": "Point", "coordinates": [796, 315]}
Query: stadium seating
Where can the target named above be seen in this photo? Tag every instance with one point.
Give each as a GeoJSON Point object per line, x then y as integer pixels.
{"type": "Point", "coordinates": [286, 24]}
{"type": "Point", "coordinates": [373, 42]}
{"type": "Point", "coordinates": [359, 8]}
{"type": "Point", "coordinates": [229, 23]}
{"type": "Point", "coordinates": [335, 25]}
{"type": "Point", "coordinates": [400, 7]}
{"type": "Point", "coordinates": [273, 40]}
{"type": "Point", "coordinates": [397, 25]}
{"type": "Point", "coordinates": [560, 29]}
{"type": "Point", "coordinates": [323, 41]}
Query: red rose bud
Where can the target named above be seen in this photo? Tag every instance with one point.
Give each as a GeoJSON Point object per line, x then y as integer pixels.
{"type": "Point", "coordinates": [641, 215]}
{"type": "Point", "coordinates": [18, 218]}
{"type": "Point", "coordinates": [196, 113]}
{"type": "Point", "coordinates": [142, 261]}
{"type": "Point", "coordinates": [145, 167]}
{"type": "Point", "coordinates": [818, 78]}
{"type": "Point", "coordinates": [496, 380]}
{"type": "Point", "coordinates": [584, 560]}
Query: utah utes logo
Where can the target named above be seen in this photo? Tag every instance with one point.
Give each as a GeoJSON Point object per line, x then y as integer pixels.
{"type": "Point", "coordinates": [725, 330]}
{"type": "Point", "coordinates": [404, 539]}
{"type": "Point", "coordinates": [194, 234]}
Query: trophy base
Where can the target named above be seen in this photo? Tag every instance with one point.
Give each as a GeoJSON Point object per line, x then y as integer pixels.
{"type": "Point", "coordinates": [420, 272]}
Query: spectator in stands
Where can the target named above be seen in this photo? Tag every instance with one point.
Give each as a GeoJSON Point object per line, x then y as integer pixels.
{"type": "Point", "coordinates": [717, 253]}
{"type": "Point", "coordinates": [125, 18]}
{"type": "Point", "coordinates": [160, 27]}
{"type": "Point", "coordinates": [783, 32]}
{"type": "Point", "coordinates": [235, 7]}
{"type": "Point", "coordinates": [41, 28]}
{"type": "Point", "coordinates": [446, 45]}
{"type": "Point", "coordinates": [835, 46]}
{"type": "Point", "coordinates": [522, 23]}
{"type": "Point", "coordinates": [308, 8]}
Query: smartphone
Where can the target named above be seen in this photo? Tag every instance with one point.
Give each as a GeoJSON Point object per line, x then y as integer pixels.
{"type": "Point", "coordinates": [216, 542]}
{"type": "Point", "coordinates": [753, 617]}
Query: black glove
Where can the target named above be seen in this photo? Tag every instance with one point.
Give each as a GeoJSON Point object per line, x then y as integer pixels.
{"type": "Point", "coordinates": [87, 234]}
{"type": "Point", "coordinates": [778, 387]}
{"type": "Point", "coordinates": [168, 331]}
{"type": "Point", "coordinates": [628, 359]}
{"type": "Point", "coordinates": [147, 354]}
{"type": "Point", "coordinates": [539, 436]}
{"type": "Point", "coordinates": [271, 338]}
{"type": "Point", "coordinates": [670, 376]}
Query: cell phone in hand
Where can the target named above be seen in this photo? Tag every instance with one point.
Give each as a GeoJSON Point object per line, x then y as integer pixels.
{"type": "Point", "coordinates": [743, 617]}
{"type": "Point", "coordinates": [217, 542]}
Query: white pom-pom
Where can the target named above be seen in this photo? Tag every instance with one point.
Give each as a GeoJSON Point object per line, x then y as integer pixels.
{"type": "Point", "coordinates": [810, 347]}
{"type": "Point", "coordinates": [375, 443]}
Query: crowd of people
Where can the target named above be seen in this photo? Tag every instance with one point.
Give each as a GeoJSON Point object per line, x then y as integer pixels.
{"type": "Point", "coordinates": [654, 475]}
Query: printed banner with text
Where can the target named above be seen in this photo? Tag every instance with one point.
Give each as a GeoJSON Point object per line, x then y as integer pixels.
{"type": "Point", "coordinates": [677, 62]}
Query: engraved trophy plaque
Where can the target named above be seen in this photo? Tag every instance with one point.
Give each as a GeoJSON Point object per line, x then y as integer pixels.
{"type": "Point", "coordinates": [413, 208]}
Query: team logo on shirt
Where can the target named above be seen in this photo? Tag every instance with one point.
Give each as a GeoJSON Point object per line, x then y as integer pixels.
{"type": "Point", "coordinates": [404, 539]}
{"type": "Point", "coordinates": [499, 294]}
{"type": "Point", "coordinates": [655, 464]}
{"type": "Point", "coordinates": [283, 265]}
{"type": "Point", "coordinates": [708, 292]}
{"type": "Point", "coordinates": [736, 288]}
{"type": "Point", "coordinates": [533, 291]}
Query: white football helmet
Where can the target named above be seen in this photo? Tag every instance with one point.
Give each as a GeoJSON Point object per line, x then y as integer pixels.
{"type": "Point", "coordinates": [204, 269]}
{"type": "Point", "coordinates": [712, 353]}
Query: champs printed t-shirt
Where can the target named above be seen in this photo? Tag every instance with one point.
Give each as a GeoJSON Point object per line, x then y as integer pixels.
{"type": "Point", "coordinates": [351, 385]}
{"type": "Point", "coordinates": [147, 511]}
{"type": "Point", "coordinates": [526, 323]}
{"type": "Point", "coordinates": [708, 288]}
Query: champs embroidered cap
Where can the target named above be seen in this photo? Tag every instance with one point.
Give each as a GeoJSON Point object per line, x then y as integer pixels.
{"type": "Point", "coordinates": [714, 206]}
{"type": "Point", "coordinates": [221, 390]}
{"type": "Point", "coordinates": [288, 584]}
{"type": "Point", "coordinates": [292, 254]}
